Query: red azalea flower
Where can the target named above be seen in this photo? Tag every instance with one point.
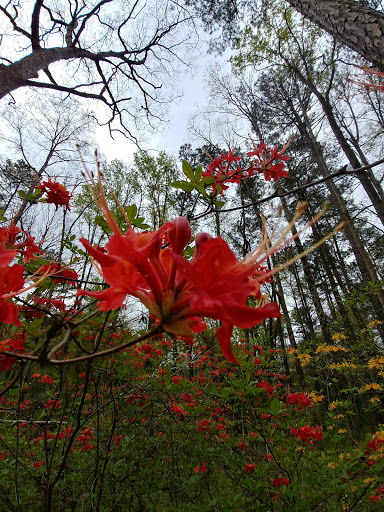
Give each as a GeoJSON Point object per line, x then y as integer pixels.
{"type": "Point", "coordinates": [57, 194]}
{"type": "Point", "coordinates": [177, 410]}
{"type": "Point", "coordinates": [265, 385]}
{"type": "Point", "coordinates": [267, 164]}
{"type": "Point", "coordinates": [47, 379]}
{"type": "Point", "coordinates": [20, 241]}
{"type": "Point", "coordinates": [250, 468]}
{"type": "Point", "coordinates": [52, 404]}
{"type": "Point", "coordinates": [243, 446]}
{"type": "Point", "coordinates": [204, 426]}
{"type": "Point", "coordinates": [300, 399]}
{"type": "Point", "coordinates": [223, 170]}
{"type": "Point", "coordinates": [279, 482]}
{"type": "Point", "coordinates": [307, 433]}
{"type": "Point", "coordinates": [62, 273]}
{"type": "Point", "coordinates": [11, 283]}
{"type": "Point", "coordinates": [201, 468]}
{"type": "Point", "coordinates": [178, 292]}
{"type": "Point", "coordinates": [15, 344]}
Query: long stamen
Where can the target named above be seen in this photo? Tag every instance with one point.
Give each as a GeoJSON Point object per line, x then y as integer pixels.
{"type": "Point", "coordinates": [97, 192]}
{"type": "Point", "coordinates": [338, 228]}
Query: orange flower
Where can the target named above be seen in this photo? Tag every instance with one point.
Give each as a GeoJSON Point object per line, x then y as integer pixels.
{"type": "Point", "coordinates": [56, 193]}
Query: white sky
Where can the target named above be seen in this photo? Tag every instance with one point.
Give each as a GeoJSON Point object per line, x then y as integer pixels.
{"type": "Point", "coordinates": [173, 134]}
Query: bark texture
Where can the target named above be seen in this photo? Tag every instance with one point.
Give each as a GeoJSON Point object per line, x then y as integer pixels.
{"type": "Point", "coordinates": [350, 22]}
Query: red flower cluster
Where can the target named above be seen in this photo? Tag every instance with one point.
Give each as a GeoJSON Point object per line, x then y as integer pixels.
{"type": "Point", "coordinates": [299, 399]}
{"type": "Point", "coordinates": [243, 446]}
{"type": "Point", "coordinates": [177, 410]}
{"type": "Point", "coordinates": [224, 169]}
{"type": "Point", "coordinates": [204, 426]}
{"type": "Point", "coordinates": [307, 434]}
{"type": "Point", "coordinates": [265, 385]}
{"type": "Point", "coordinates": [11, 282]}
{"type": "Point", "coordinates": [214, 284]}
{"type": "Point", "coordinates": [56, 303]}
{"type": "Point", "coordinates": [379, 494]}
{"type": "Point", "coordinates": [250, 468]}
{"type": "Point", "coordinates": [279, 482]}
{"type": "Point", "coordinates": [268, 164]}
{"type": "Point", "coordinates": [85, 439]}
{"type": "Point", "coordinates": [373, 445]}
{"type": "Point", "coordinates": [12, 238]}
{"type": "Point", "coordinates": [52, 404]}
{"type": "Point", "coordinates": [201, 468]}
{"type": "Point", "coordinates": [57, 194]}
{"type": "Point", "coordinates": [15, 344]}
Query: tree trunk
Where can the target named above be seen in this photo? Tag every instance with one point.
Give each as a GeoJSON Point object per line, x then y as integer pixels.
{"type": "Point", "coordinates": [308, 275]}
{"type": "Point", "coordinates": [365, 177]}
{"type": "Point", "coordinates": [352, 23]}
{"type": "Point", "coordinates": [363, 259]}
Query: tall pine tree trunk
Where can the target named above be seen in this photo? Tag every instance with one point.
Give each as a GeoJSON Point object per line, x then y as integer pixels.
{"type": "Point", "coordinates": [352, 23]}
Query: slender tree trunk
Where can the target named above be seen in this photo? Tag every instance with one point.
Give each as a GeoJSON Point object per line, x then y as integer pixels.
{"type": "Point", "coordinates": [329, 266]}
{"type": "Point", "coordinates": [308, 322]}
{"type": "Point", "coordinates": [308, 275]}
{"type": "Point", "coordinates": [365, 177]}
{"type": "Point", "coordinates": [363, 259]}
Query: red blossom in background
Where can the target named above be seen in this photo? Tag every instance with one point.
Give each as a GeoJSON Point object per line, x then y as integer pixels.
{"type": "Point", "coordinates": [52, 404]}
{"type": "Point", "coordinates": [307, 433]}
{"type": "Point", "coordinates": [299, 399]}
{"type": "Point", "coordinates": [265, 385]}
{"type": "Point", "coordinates": [14, 344]}
{"type": "Point", "coordinates": [201, 468]}
{"type": "Point", "coordinates": [268, 163]}
{"type": "Point", "coordinates": [177, 410]}
{"type": "Point", "coordinates": [47, 379]}
{"type": "Point", "coordinates": [224, 169]}
{"type": "Point", "coordinates": [374, 445]}
{"type": "Point", "coordinates": [58, 273]}
{"type": "Point", "coordinates": [20, 241]}
{"type": "Point", "coordinates": [279, 482]}
{"type": "Point", "coordinates": [57, 194]}
{"type": "Point", "coordinates": [250, 468]}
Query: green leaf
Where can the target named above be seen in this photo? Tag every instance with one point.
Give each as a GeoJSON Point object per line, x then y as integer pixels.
{"type": "Point", "coordinates": [23, 194]}
{"type": "Point", "coordinates": [100, 221]}
{"type": "Point", "coordinates": [218, 190]}
{"type": "Point", "coordinates": [219, 204]}
{"type": "Point", "coordinates": [200, 188]}
{"type": "Point", "coordinates": [198, 173]}
{"type": "Point", "coordinates": [187, 170]}
{"type": "Point", "coordinates": [276, 406]}
{"type": "Point", "coordinates": [208, 180]}
{"type": "Point", "coordinates": [131, 211]}
{"type": "Point", "coordinates": [185, 185]}
{"type": "Point", "coordinates": [225, 392]}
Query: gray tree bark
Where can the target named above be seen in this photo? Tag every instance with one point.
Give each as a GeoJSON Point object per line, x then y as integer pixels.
{"type": "Point", "coordinates": [350, 22]}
